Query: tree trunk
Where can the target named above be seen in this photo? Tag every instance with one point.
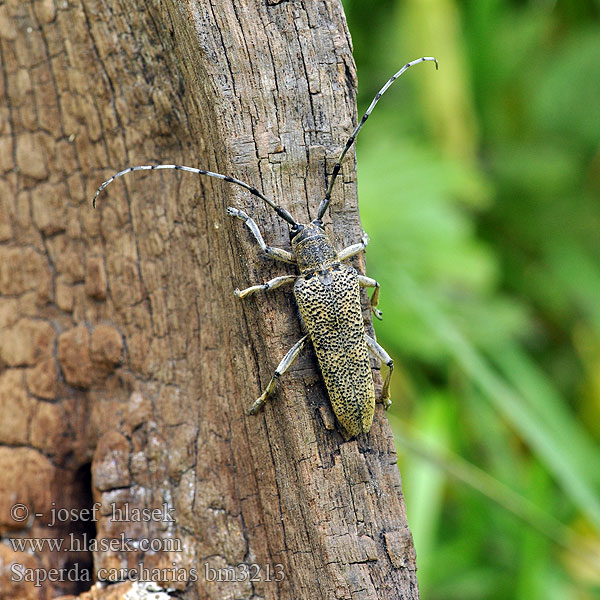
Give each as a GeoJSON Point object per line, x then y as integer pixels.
{"type": "Point", "coordinates": [127, 363]}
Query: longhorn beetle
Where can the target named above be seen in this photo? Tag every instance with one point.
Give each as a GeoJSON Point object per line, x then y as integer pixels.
{"type": "Point", "coordinates": [327, 293]}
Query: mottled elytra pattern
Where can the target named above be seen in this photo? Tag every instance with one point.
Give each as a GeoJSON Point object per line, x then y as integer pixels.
{"type": "Point", "coordinates": [327, 293]}
{"type": "Point", "coordinates": [329, 302]}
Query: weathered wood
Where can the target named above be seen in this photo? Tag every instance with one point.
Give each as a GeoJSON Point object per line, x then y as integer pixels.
{"type": "Point", "coordinates": [122, 342]}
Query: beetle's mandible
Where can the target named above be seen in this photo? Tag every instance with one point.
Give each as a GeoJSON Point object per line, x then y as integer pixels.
{"type": "Point", "coordinates": [327, 292]}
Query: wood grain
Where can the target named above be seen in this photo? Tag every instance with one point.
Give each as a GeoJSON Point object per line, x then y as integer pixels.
{"type": "Point", "coordinates": [122, 344]}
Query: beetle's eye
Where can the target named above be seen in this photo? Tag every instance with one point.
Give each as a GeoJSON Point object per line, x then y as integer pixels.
{"type": "Point", "coordinates": [295, 230]}
{"type": "Point", "coordinates": [319, 223]}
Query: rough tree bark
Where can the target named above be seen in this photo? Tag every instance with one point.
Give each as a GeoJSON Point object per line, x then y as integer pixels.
{"type": "Point", "coordinates": [126, 362]}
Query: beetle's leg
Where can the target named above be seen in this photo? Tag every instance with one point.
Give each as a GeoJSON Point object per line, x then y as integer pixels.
{"type": "Point", "coordinates": [270, 285]}
{"type": "Point", "coordinates": [364, 281]}
{"type": "Point", "coordinates": [283, 366]}
{"type": "Point", "coordinates": [276, 253]}
{"type": "Point", "coordinates": [355, 248]}
{"type": "Point", "coordinates": [384, 357]}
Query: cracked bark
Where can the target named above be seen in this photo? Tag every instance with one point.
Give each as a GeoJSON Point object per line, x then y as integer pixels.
{"type": "Point", "coordinates": [122, 345]}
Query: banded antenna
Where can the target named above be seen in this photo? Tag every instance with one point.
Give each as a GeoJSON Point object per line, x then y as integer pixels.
{"type": "Point", "coordinates": [336, 169]}
{"type": "Point", "coordinates": [284, 214]}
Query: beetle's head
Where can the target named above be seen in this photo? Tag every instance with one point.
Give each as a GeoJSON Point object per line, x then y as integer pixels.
{"type": "Point", "coordinates": [299, 232]}
{"type": "Point", "coordinates": [311, 245]}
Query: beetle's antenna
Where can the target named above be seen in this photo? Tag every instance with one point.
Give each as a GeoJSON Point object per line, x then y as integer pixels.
{"type": "Point", "coordinates": [336, 169]}
{"type": "Point", "coordinates": [284, 214]}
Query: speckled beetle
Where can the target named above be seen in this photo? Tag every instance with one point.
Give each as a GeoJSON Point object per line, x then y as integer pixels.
{"type": "Point", "coordinates": [328, 295]}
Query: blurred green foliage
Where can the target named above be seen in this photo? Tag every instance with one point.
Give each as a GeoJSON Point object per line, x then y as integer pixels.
{"type": "Point", "coordinates": [479, 185]}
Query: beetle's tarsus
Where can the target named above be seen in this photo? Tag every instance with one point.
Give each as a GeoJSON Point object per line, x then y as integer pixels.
{"type": "Point", "coordinates": [257, 405]}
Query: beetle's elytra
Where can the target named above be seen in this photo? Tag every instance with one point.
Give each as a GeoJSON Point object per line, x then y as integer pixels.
{"type": "Point", "coordinates": [328, 296]}
{"type": "Point", "coordinates": [327, 292]}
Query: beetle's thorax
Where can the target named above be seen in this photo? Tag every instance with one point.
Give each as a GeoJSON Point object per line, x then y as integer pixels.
{"type": "Point", "coordinates": [313, 248]}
